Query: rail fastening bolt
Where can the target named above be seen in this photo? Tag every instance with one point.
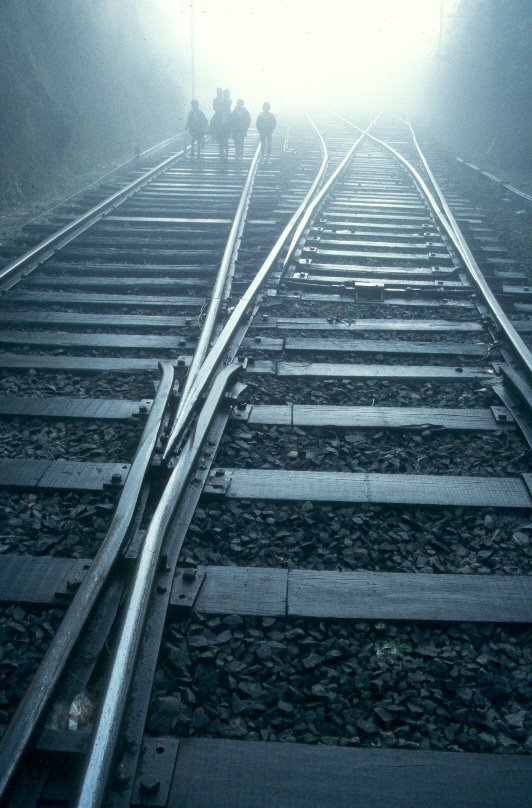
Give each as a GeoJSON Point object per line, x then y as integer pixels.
{"type": "Point", "coordinates": [149, 784]}
{"type": "Point", "coordinates": [73, 584]}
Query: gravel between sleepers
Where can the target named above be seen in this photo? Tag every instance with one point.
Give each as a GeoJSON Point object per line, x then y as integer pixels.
{"type": "Point", "coordinates": [25, 634]}
{"type": "Point", "coordinates": [68, 524]}
{"type": "Point", "coordinates": [360, 537]}
{"type": "Point", "coordinates": [431, 337]}
{"type": "Point", "coordinates": [355, 310]}
{"type": "Point", "coordinates": [308, 357]}
{"type": "Point", "coordinates": [268, 389]}
{"type": "Point", "coordinates": [81, 440]}
{"type": "Point", "coordinates": [455, 688]}
{"type": "Point", "coordinates": [188, 332]}
{"type": "Point", "coordinates": [419, 452]}
{"type": "Point", "coordinates": [108, 311]}
{"type": "Point", "coordinates": [507, 214]}
{"type": "Point", "coordinates": [37, 384]}
{"type": "Point", "coordinates": [97, 353]}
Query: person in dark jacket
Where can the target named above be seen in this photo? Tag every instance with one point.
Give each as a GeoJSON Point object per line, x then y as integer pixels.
{"type": "Point", "coordinates": [218, 100]}
{"type": "Point", "coordinates": [240, 121]}
{"type": "Point", "coordinates": [227, 102]}
{"type": "Point", "coordinates": [197, 127]}
{"type": "Point", "coordinates": [266, 123]}
{"type": "Point", "coordinates": [220, 131]}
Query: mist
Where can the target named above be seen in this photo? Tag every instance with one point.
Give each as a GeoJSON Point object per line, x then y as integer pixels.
{"type": "Point", "coordinates": [307, 54]}
{"type": "Point", "coordinates": [84, 82]}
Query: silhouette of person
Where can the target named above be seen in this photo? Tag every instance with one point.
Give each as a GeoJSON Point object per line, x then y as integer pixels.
{"type": "Point", "coordinates": [220, 130]}
{"type": "Point", "coordinates": [197, 127]}
{"type": "Point", "coordinates": [226, 101]}
{"type": "Point", "coordinates": [266, 123]}
{"type": "Point", "coordinates": [217, 102]}
{"type": "Point", "coordinates": [240, 121]}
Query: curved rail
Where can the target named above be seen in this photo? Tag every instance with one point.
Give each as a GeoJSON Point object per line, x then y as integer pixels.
{"type": "Point", "coordinates": [146, 153]}
{"type": "Point", "coordinates": [107, 726]}
{"type": "Point", "coordinates": [450, 224]}
{"type": "Point", "coordinates": [311, 190]}
{"type": "Point", "coordinates": [105, 734]}
{"type": "Point", "coordinates": [498, 180]}
{"type": "Point", "coordinates": [11, 273]}
{"type": "Point", "coordinates": [31, 707]}
{"type": "Point", "coordinates": [228, 259]}
{"type": "Point", "coordinates": [215, 355]}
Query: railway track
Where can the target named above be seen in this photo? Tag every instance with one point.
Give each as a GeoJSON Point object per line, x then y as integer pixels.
{"type": "Point", "coordinates": [323, 585]}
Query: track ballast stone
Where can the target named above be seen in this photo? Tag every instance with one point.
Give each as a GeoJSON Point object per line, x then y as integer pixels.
{"type": "Point", "coordinates": [349, 311]}
{"type": "Point", "coordinates": [66, 524]}
{"type": "Point", "coordinates": [360, 537]}
{"type": "Point", "coordinates": [34, 384]}
{"type": "Point", "coordinates": [25, 634]}
{"type": "Point", "coordinates": [67, 440]}
{"type": "Point", "coordinates": [268, 389]}
{"type": "Point", "coordinates": [419, 451]}
{"type": "Point", "coordinates": [457, 688]}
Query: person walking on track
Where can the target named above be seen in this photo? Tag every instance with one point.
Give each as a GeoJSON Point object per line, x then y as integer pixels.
{"type": "Point", "coordinates": [240, 121]}
{"type": "Point", "coordinates": [220, 131]}
{"type": "Point", "coordinates": [197, 127]}
{"type": "Point", "coordinates": [266, 123]}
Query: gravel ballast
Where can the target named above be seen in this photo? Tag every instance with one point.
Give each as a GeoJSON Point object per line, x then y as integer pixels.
{"type": "Point", "coordinates": [423, 451]}
{"type": "Point", "coordinates": [25, 635]}
{"type": "Point", "coordinates": [267, 389]}
{"type": "Point", "coordinates": [90, 441]}
{"type": "Point", "coordinates": [433, 338]}
{"type": "Point", "coordinates": [34, 384]}
{"type": "Point", "coordinates": [453, 688]}
{"type": "Point", "coordinates": [67, 524]}
{"type": "Point", "coordinates": [308, 357]}
{"type": "Point", "coordinates": [96, 353]}
{"type": "Point", "coordinates": [360, 537]}
{"type": "Point", "coordinates": [351, 310]}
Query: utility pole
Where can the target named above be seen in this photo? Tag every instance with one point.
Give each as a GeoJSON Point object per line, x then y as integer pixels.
{"type": "Point", "coordinates": [192, 52]}
{"type": "Point", "coordinates": [440, 39]}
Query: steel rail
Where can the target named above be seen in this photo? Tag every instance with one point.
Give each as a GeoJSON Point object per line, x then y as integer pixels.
{"type": "Point", "coordinates": [301, 226]}
{"type": "Point", "coordinates": [107, 727]}
{"type": "Point", "coordinates": [108, 721]}
{"type": "Point", "coordinates": [33, 257]}
{"type": "Point", "coordinates": [215, 355]}
{"type": "Point", "coordinates": [439, 193]}
{"type": "Point", "coordinates": [146, 153]}
{"type": "Point", "coordinates": [228, 259]}
{"type": "Point", "coordinates": [475, 271]}
{"type": "Point", "coordinates": [434, 182]}
{"type": "Point", "coordinates": [30, 709]}
{"type": "Point", "coordinates": [455, 234]}
{"type": "Point", "coordinates": [498, 180]}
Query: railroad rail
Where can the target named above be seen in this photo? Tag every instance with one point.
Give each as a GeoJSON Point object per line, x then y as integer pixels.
{"type": "Point", "coordinates": [496, 179]}
{"type": "Point", "coordinates": [328, 552]}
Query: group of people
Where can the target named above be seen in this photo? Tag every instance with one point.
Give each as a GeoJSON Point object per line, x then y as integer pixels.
{"type": "Point", "coordinates": [228, 123]}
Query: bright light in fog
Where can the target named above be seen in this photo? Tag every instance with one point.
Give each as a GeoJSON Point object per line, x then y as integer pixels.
{"type": "Point", "coordinates": [326, 52]}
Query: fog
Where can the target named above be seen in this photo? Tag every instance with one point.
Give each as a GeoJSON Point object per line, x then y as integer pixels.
{"type": "Point", "coordinates": [305, 53]}
{"type": "Point", "coordinates": [84, 82]}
